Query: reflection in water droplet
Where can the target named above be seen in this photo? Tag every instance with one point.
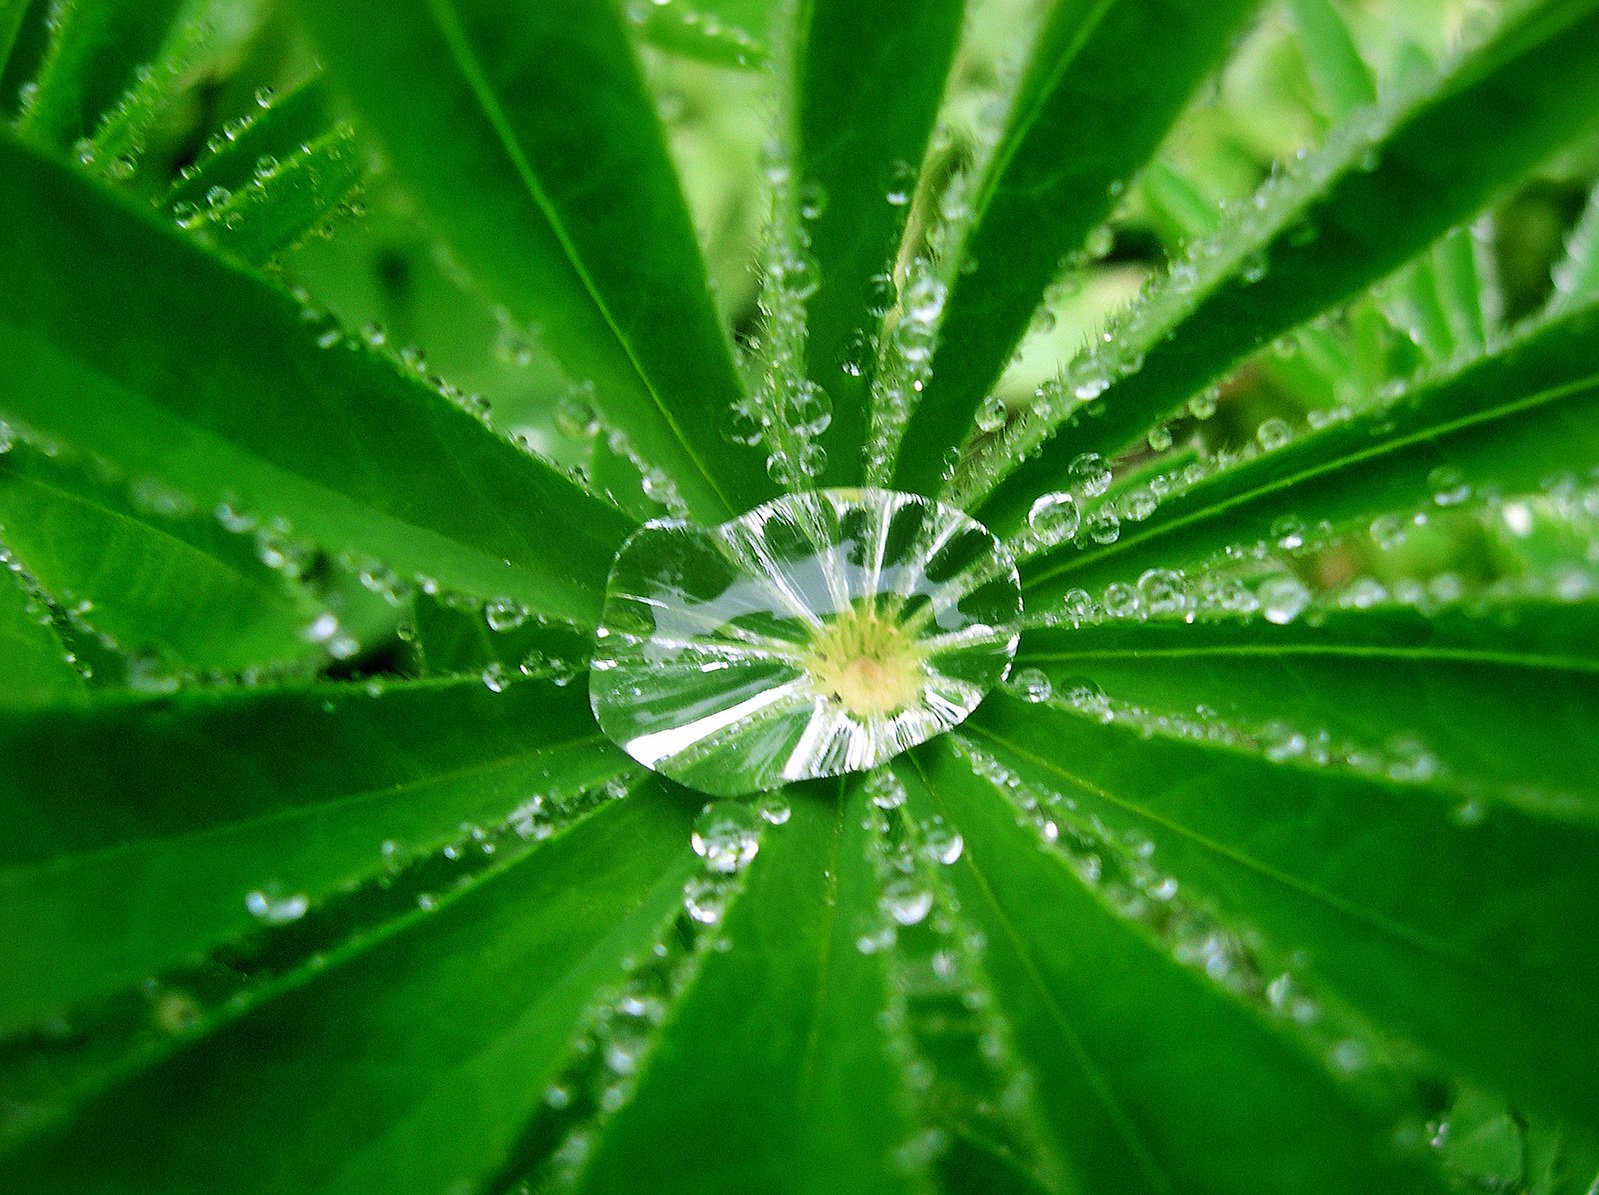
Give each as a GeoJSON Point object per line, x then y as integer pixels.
{"type": "Point", "coordinates": [819, 634]}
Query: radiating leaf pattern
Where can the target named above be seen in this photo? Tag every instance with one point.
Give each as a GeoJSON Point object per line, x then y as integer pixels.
{"type": "Point", "coordinates": [1168, 767]}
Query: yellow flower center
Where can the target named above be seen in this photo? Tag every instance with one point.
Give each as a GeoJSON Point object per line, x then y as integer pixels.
{"type": "Point", "coordinates": [866, 663]}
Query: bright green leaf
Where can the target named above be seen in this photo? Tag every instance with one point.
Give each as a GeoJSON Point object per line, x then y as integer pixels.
{"type": "Point", "coordinates": [530, 114]}
{"type": "Point", "coordinates": [128, 340]}
{"type": "Point", "coordinates": [1081, 124]}
{"type": "Point", "coordinates": [131, 841]}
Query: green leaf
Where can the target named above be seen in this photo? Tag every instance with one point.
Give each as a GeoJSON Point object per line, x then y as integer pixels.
{"type": "Point", "coordinates": [128, 340]}
{"type": "Point", "coordinates": [454, 639]}
{"type": "Point", "coordinates": [1336, 67]}
{"type": "Point", "coordinates": [131, 841]}
{"type": "Point", "coordinates": [1157, 1078]}
{"type": "Point", "coordinates": [285, 200]}
{"type": "Point", "coordinates": [12, 13]}
{"type": "Point", "coordinates": [1377, 203]}
{"type": "Point", "coordinates": [276, 175]}
{"type": "Point", "coordinates": [274, 131]}
{"type": "Point", "coordinates": [96, 46]}
{"type": "Point", "coordinates": [788, 1084]}
{"type": "Point", "coordinates": [1437, 905]}
{"type": "Point", "coordinates": [1577, 275]}
{"type": "Point", "coordinates": [1082, 122]}
{"type": "Point", "coordinates": [33, 663]}
{"type": "Point", "coordinates": [1451, 679]}
{"type": "Point", "coordinates": [154, 578]}
{"type": "Point", "coordinates": [1502, 425]}
{"type": "Point", "coordinates": [866, 87]}
{"type": "Point", "coordinates": [409, 1063]}
{"type": "Point", "coordinates": [719, 32]}
{"type": "Point", "coordinates": [530, 115]}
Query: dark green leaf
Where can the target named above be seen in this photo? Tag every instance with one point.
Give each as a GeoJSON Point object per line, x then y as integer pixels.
{"type": "Point", "coordinates": [720, 32]}
{"type": "Point", "coordinates": [12, 13]}
{"type": "Point", "coordinates": [1082, 123]}
{"type": "Point", "coordinates": [1498, 115]}
{"type": "Point", "coordinates": [284, 202]}
{"type": "Point", "coordinates": [1502, 425]}
{"type": "Point", "coordinates": [156, 579]}
{"type": "Point", "coordinates": [125, 338]}
{"type": "Point", "coordinates": [867, 84]}
{"type": "Point", "coordinates": [530, 116]}
{"type": "Point", "coordinates": [33, 663]}
{"type": "Point", "coordinates": [1156, 1078]}
{"type": "Point", "coordinates": [409, 1064]}
{"type": "Point", "coordinates": [94, 49]}
{"type": "Point", "coordinates": [131, 840]}
{"type": "Point", "coordinates": [1437, 906]}
{"type": "Point", "coordinates": [789, 1084]}
{"type": "Point", "coordinates": [1451, 679]}
{"type": "Point", "coordinates": [274, 132]}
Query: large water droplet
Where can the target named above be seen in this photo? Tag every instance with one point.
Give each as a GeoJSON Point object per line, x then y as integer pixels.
{"type": "Point", "coordinates": [819, 634]}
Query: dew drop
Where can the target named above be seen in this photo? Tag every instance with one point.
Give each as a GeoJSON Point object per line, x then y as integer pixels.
{"type": "Point", "coordinates": [1054, 516]}
{"type": "Point", "coordinates": [272, 907]}
{"type": "Point", "coordinates": [821, 633]}
{"type": "Point", "coordinates": [1030, 684]}
{"type": "Point", "coordinates": [1088, 475]}
{"type": "Point", "coordinates": [1283, 599]}
{"type": "Point", "coordinates": [727, 836]}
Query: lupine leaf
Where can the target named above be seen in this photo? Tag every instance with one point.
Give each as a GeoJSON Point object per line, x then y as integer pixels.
{"type": "Point", "coordinates": [860, 128]}
{"type": "Point", "coordinates": [105, 311]}
{"type": "Point", "coordinates": [280, 126]}
{"type": "Point", "coordinates": [1502, 425]}
{"type": "Point", "coordinates": [1339, 72]}
{"type": "Point", "coordinates": [720, 32]}
{"type": "Point", "coordinates": [1496, 116]}
{"type": "Point", "coordinates": [1109, 1020]}
{"type": "Point", "coordinates": [1081, 124]}
{"type": "Point", "coordinates": [1440, 916]}
{"type": "Point", "coordinates": [354, 1058]}
{"type": "Point", "coordinates": [93, 53]}
{"type": "Point", "coordinates": [285, 200]}
{"type": "Point", "coordinates": [12, 13]}
{"type": "Point", "coordinates": [130, 841]}
{"type": "Point", "coordinates": [33, 662]}
{"type": "Point", "coordinates": [173, 582]}
{"type": "Point", "coordinates": [533, 113]}
{"type": "Point", "coordinates": [804, 1063]}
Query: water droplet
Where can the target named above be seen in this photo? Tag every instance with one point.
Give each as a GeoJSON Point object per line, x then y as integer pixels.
{"type": "Point", "coordinates": [881, 294]}
{"type": "Point", "coordinates": [1283, 599]}
{"type": "Point", "coordinates": [906, 900]}
{"type": "Point", "coordinates": [819, 634]}
{"type": "Point", "coordinates": [1448, 485]}
{"type": "Point", "coordinates": [273, 907]}
{"type": "Point", "coordinates": [901, 183]}
{"type": "Point", "coordinates": [1088, 475]}
{"type": "Point", "coordinates": [727, 836]}
{"type": "Point", "coordinates": [1103, 526]}
{"type": "Point", "coordinates": [1138, 503]}
{"type": "Point", "coordinates": [1162, 591]}
{"type": "Point", "coordinates": [741, 427]}
{"type": "Point", "coordinates": [1030, 684]}
{"type": "Point", "coordinates": [505, 614]}
{"type": "Point", "coordinates": [991, 415]}
{"type": "Point", "coordinates": [1054, 516]}
{"type": "Point", "coordinates": [812, 201]}
{"type": "Point", "coordinates": [1272, 434]}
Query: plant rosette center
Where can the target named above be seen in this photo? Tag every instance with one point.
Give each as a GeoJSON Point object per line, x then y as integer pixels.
{"type": "Point", "coordinates": [818, 634]}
